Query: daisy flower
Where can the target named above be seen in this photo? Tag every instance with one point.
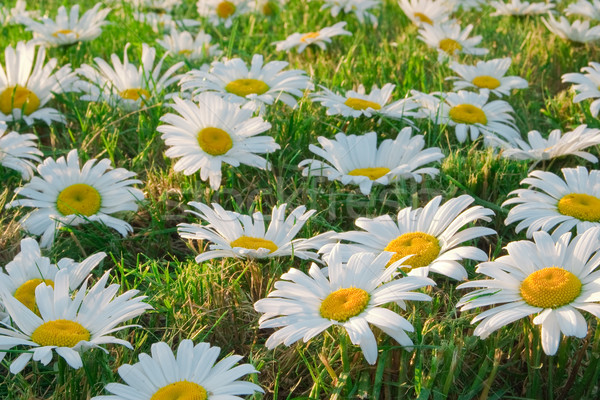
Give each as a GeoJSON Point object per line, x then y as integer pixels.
{"type": "Point", "coordinates": [426, 12]}
{"type": "Point", "coordinates": [254, 87]}
{"type": "Point", "coordinates": [518, 7]}
{"type": "Point", "coordinates": [221, 11]}
{"type": "Point", "coordinates": [13, 16]}
{"type": "Point", "coordinates": [65, 194]}
{"type": "Point", "coordinates": [302, 40]}
{"type": "Point", "coordinates": [243, 236]}
{"type": "Point", "coordinates": [537, 148]}
{"type": "Point", "coordinates": [350, 295]}
{"type": "Point", "coordinates": [487, 76]}
{"type": "Point", "coordinates": [359, 161]}
{"type": "Point", "coordinates": [551, 278]}
{"type": "Point", "coordinates": [577, 32]}
{"type": "Point", "coordinates": [68, 325]}
{"type": "Point", "coordinates": [124, 84]}
{"type": "Point", "coordinates": [28, 84]}
{"type": "Point", "coordinates": [192, 48]}
{"type": "Point", "coordinates": [159, 6]}
{"type": "Point", "coordinates": [559, 204]}
{"type": "Point", "coordinates": [68, 28]}
{"type": "Point", "coordinates": [431, 234]}
{"type": "Point", "coordinates": [191, 373]}
{"type": "Point", "coordinates": [357, 103]}
{"type": "Point", "coordinates": [585, 9]}
{"type": "Point", "coordinates": [360, 8]}
{"type": "Point", "coordinates": [450, 40]}
{"type": "Point", "coordinates": [586, 85]}
{"type": "Point", "coordinates": [18, 151]}
{"type": "Point", "coordinates": [164, 22]}
{"type": "Point", "coordinates": [214, 131]}
{"type": "Point", "coordinates": [466, 4]}
{"type": "Point", "coordinates": [29, 269]}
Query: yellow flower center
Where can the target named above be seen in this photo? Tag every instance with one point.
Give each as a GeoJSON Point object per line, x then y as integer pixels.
{"type": "Point", "coordinates": [581, 206]}
{"type": "Point", "coordinates": [450, 46]}
{"type": "Point", "coordinates": [26, 293]}
{"type": "Point", "coordinates": [425, 248]}
{"type": "Point", "coordinates": [551, 287]}
{"type": "Point", "coordinates": [371, 173]}
{"type": "Point", "coordinates": [361, 104]}
{"type": "Point", "coordinates": [225, 9]}
{"type": "Point", "coordinates": [344, 304]}
{"type": "Point", "coordinates": [134, 94]}
{"type": "Point", "coordinates": [16, 97]}
{"type": "Point", "coordinates": [185, 52]}
{"type": "Point", "coordinates": [468, 114]}
{"type": "Point", "coordinates": [269, 8]}
{"type": "Point", "coordinates": [60, 333]}
{"type": "Point", "coordinates": [64, 32]}
{"type": "Point", "coordinates": [310, 35]}
{"type": "Point", "coordinates": [214, 141]}
{"type": "Point", "coordinates": [423, 18]}
{"type": "Point", "coordinates": [182, 390]}
{"type": "Point", "coordinates": [251, 243]}
{"type": "Point", "coordinates": [486, 82]}
{"type": "Point", "coordinates": [244, 87]}
{"type": "Point", "coordinates": [79, 198]}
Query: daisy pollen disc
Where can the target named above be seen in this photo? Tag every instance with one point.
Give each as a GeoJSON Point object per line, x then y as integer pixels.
{"type": "Point", "coordinates": [424, 247]}
{"type": "Point", "coordinates": [225, 9]}
{"type": "Point", "coordinates": [450, 46]}
{"type": "Point", "coordinates": [134, 94]}
{"type": "Point", "coordinates": [214, 141]}
{"type": "Point", "coordinates": [183, 390]}
{"type": "Point", "coordinates": [26, 292]}
{"type": "Point", "coordinates": [79, 198]}
{"type": "Point", "coordinates": [253, 243]}
{"type": "Point", "coordinates": [18, 97]}
{"type": "Point", "coordinates": [60, 333]}
{"type": "Point", "coordinates": [373, 173]}
{"type": "Point", "coordinates": [550, 287]}
{"type": "Point", "coordinates": [361, 104]}
{"type": "Point", "coordinates": [581, 206]}
{"type": "Point", "coordinates": [344, 304]}
{"type": "Point", "coordinates": [486, 82]}
{"type": "Point", "coordinates": [467, 114]}
{"type": "Point", "coordinates": [245, 87]}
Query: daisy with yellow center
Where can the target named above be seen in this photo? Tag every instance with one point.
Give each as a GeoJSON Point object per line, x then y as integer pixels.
{"type": "Point", "coordinates": [222, 11]}
{"type": "Point", "coordinates": [450, 40]}
{"type": "Point", "coordinates": [192, 48]}
{"type": "Point", "coordinates": [358, 160]}
{"type": "Point", "coordinates": [579, 31]}
{"type": "Point", "coordinates": [430, 12]}
{"type": "Point", "coordinates": [551, 203]}
{"type": "Point", "coordinates": [244, 236]}
{"type": "Point", "coordinates": [428, 239]}
{"type": "Point", "coordinates": [301, 41]}
{"type": "Point", "coordinates": [65, 324]}
{"type": "Point", "coordinates": [65, 194]}
{"type": "Point", "coordinates": [350, 295]}
{"type": "Point", "coordinates": [487, 76]}
{"type": "Point", "coordinates": [552, 278]}
{"type": "Point", "coordinates": [360, 9]}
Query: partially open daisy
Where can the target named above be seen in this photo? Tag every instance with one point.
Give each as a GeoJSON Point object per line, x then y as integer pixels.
{"type": "Point", "coordinates": [551, 202]}
{"type": "Point", "coordinates": [67, 325]}
{"type": "Point", "coordinates": [65, 194]}
{"type": "Point", "coordinates": [13, 16]}
{"type": "Point", "coordinates": [192, 48]}
{"type": "Point", "coordinates": [222, 11]}
{"type": "Point", "coordinates": [68, 28]}
{"type": "Point", "coordinates": [28, 84]}
{"type": "Point", "coordinates": [18, 152]}
{"type": "Point", "coordinates": [426, 12]}
{"type": "Point", "coordinates": [350, 295]}
{"type": "Point", "coordinates": [518, 7]}
{"type": "Point", "coordinates": [553, 278]}
{"type": "Point", "coordinates": [302, 40]}
{"type": "Point", "coordinates": [124, 84]}
{"type": "Point", "coordinates": [261, 84]}
{"type": "Point", "coordinates": [360, 8]}
{"type": "Point", "coordinates": [190, 374]}
{"type": "Point", "coordinates": [586, 9]}
{"type": "Point", "coordinates": [214, 131]}
{"type": "Point", "coordinates": [431, 236]}
{"type": "Point", "coordinates": [244, 236]}
{"type": "Point", "coordinates": [586, 86]}
{"type": "Point", "coordinates": [358, 160]}
{"type": "Point", "coordinates": [578, 31]}
{"type": "Point", "coordinates": [487, 76]}
{"type": "Point", "coordinates": [450, 40]}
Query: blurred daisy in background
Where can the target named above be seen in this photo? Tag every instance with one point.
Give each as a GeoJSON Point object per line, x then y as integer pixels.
{"type": "Point", "coordinates": [14, 16]}
{"type": "Point", "coordinates": [302, 40]}
{"type": "Point", "coordinates": [19, 151]}
{"type": "Point", "coordinates": [359, 161]}
{"type": "Point", "coordinates": [66, 195]}
{"type": "Point", "coordinates": [450, 40]}
{"type": "Point", "coordinates": [587, 9]}
{"type": "Point", "coordinates": [518, 7]}
{"type": "Point", "coordinates": [222, 11]}
{"type": "Point", "coordinates": [487, 76]}
{"type": "Point", "coordinates": [553, 203]}
{"type": "Point", "coordinates": [551, 278]}
{"type": "Point", "coordinates": [158, 6]}
{"type": "Point", "coordinates": [586, 86]}
{"type": "Point", "coordinates": [191, 373]}
{"type": "Point", "coordinates": [578, 31]}
{"type": "Point", "coordinates": [192, 48]}
{"type": "Point", "coordinates": [161, 22]}
{"type": "Point", "coordinates": [360, 8]}
{"type": "Point", "coordinates": [467, 5]}
{"type": "Point", "coordinates": [426, 12]}
{"type": "Point", "coordinates": [244, 236]}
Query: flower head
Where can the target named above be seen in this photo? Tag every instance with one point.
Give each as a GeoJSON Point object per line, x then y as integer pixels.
{"type": "Point", "coordinates": [302, 40]}
{"type": "Point", "coordinates": [18, 151]}
{"type": "Point", "coordinates": [192, 48]}
{"type": "Point", "coordinates": [487, 76]}
{"type": "Point", "coordinates": [586, 85]}
{"type": "Point", "coordinates": [426, 12]}
{"type": "Point", "coordinates": [577, 32]}
{"type": "Point", "coordinates": [585, 9]}
{"type": "Point", "coordinates": [360, 8]}
{"type": "Point", "coordinates": [221, 11]}
{"type": "Point", "coordinates": [518, 7]}
{"type": "Point", "coordinates": [450, 40]}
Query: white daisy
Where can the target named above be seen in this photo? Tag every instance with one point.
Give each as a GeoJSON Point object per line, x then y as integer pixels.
{"type": "Point", "coordinates": [28, 84]}
{"type": "Point", "coordinates": [431, 234]}
{"type": "Point", "coordinates": [357, 103]}
{"type": "Point", "coordinates": [586, 85]}
{"type": "Point", "coordinates": [577, 32]}
{"type": "Point", "coordinates": [358, 160]}
{"type": "Point", "coordinates": [244, 236]}
{"type": "Point", "coordinates": [349, 295]}
{"type": "Point", "coordinates": [319, 38]}
{"type": "Point", "coordinates": [67, 325]}
{"type": "Point", "coordinates": [551, 202]}
{"type": "Point", "coordinates": [18, 151]}
{"type": "Point", "coordinates": [254, 87]}
{"type": "Point", "coordinates": [222, 11]}
{"type": "Point", "coordinates": [13, 16]}
{"type": "Point", "coordinates": [585, 9]}
{"type": "Point", "coordinates": [159, 6]}
{"type": "Point", "coordinates": [548, 277]}
{"type": "Point", "coordinates": [426, 12]}
{"type": "Point", "coordinates": [192, 48]}
{"type": "Point", "coordinates": [450, 40]}
{"type": "Point", "coordinates": [487, 76]}
{"type": "Point", "coordinates": [66, 194]}
{"type": "Point", "coordinates": [467, 4]}
{"type": "Point", "coordinates": [164, 22]}
{"type": "Point", "coordinates": [360, 8]}
{"type": "Point", "coordinates": [191, 374]}
{"type": "Point", "coordinates": [518, 7]}
{"type": "Point", "coordinates": [124, 84]}
{"type": "Point", "coordinates": [212, 132]}
{"type": "Point", "coordinates": [68, 28]}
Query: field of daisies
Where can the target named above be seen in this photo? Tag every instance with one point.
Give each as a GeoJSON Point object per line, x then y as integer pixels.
{"type": "Point", "coordinates": [294, 199]}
